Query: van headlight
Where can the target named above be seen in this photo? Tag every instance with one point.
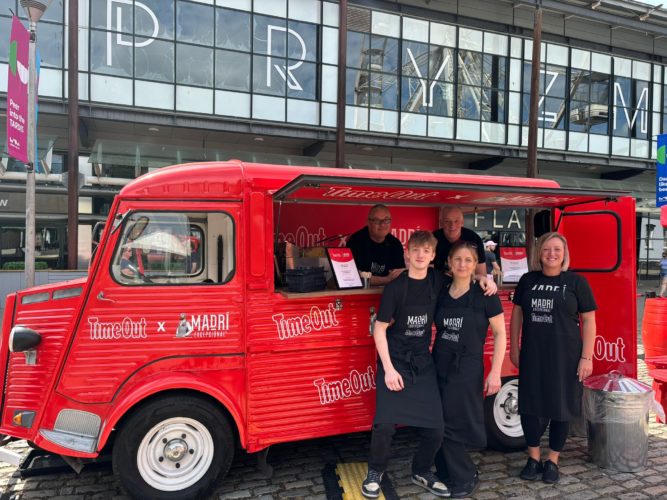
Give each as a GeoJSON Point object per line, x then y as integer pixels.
{"type": "Point", "coordinates": [25, 340]}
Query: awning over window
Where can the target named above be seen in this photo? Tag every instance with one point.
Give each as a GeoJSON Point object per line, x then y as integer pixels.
{"type": "Point", "coordinates": [435, 190]}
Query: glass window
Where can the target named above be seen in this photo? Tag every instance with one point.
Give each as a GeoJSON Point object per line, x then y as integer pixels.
{"type": "Point", "coordinates": [194, 65]}
{"type": "Point", "coordinates": [358, 45]}
{"type": "Point", "coordinates": [154, 18]}
{"type": "Point", "coordinates": [630, 108]}
{"type": "Point", "coordinates": [53, 13]}
{"type": "Point", "coordinates": [269, 36]}
{"type": "Point", "coordinates": [415, 59]}
{"type": "Point", "coordinates": [120, 15]}
{"type": "Point", "coordinates": [6, 29]}
{"type": "Point", "coordinates": [194, 23]}
{"type": "Point", "coordinates": [50, 44]}
{"type": "Point", "coordinates": [383, 55]}
{"type": "Point", "coordinates": [232, 70]}
{"type": "Point", "coordinates": [356, 88]}
{"type": "Point", "coordinates": [108, 57]}
{"type": "Point", "coordinates": [155, 61]}
{"type": "Point", "coordinates": [232, 29]}
{"type": "Point", "coordinates": [302, 41]}
{"type": "Point", "coordinates": [304, 81]}
{"type": "Point", "coordinates": [171, 248]}
{"type": "Point", "coordinates": [266, 79]}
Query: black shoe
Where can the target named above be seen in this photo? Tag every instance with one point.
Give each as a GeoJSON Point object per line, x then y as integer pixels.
{"type": "Point", "coordinates": [532, 470]}
{"type": "Point", "coordinates": [430, 481]}
{"type": "Point", "coordinates": [550, 474]}
{"type": "Point", "coordinates": [370, 488]}
{"type": "Point", "coordinates": [466, 489]}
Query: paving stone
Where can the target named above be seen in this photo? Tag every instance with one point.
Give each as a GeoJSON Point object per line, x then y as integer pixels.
{"type": "Point", "coordinates": [236, 494]}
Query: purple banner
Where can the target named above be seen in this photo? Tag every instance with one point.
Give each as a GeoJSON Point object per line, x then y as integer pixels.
{"type": "Point", "coordinates": [17, 92]}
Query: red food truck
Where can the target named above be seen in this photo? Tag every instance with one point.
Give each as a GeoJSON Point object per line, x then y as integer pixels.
{"type": "Point", "coordinates": [183, 343]}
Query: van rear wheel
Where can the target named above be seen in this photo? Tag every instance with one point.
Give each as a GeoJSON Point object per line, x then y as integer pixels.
{"type": "Point", "coordinates": [501, 416]}
{"type": "Point", "coordinates": [173, 448]}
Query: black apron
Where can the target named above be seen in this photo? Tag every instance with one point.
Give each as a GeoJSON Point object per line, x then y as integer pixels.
{"type": "Point", "coordinates": [418, 403]}
{"type": "Point", "coordinates": [458, 354]}
{"type": "Point", "coordinates": [550, 350]}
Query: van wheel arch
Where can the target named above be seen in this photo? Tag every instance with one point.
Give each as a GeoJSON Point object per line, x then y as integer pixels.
{"type": "Point", "coordinates": [172, 415]}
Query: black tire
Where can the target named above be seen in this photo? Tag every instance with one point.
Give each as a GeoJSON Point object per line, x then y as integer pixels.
{"type": "Point", "coordinates": [501, 418]}
{"type": "Point", "coordinates": [194, 432]}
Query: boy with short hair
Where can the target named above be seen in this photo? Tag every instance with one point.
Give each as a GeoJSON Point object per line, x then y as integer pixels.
{"type": "Point", "coordinates": [407, 386]}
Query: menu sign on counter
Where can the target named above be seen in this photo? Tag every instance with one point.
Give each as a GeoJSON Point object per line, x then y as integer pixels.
{"type": "Point", "coordinates": [343, 267]}
{"type": "Point", "coordinates": [514, 262]}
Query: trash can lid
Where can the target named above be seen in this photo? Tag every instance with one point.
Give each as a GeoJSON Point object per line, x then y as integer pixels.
{"type": "Point", "coordinates": [615, 381]}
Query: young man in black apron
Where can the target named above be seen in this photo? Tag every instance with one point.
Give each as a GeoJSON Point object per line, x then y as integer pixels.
{"type": "Point", "coordinates": [407, 387]}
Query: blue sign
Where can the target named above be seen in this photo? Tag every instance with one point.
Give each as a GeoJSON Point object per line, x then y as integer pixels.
{"type": "Point", "coordinates": [661, 173]}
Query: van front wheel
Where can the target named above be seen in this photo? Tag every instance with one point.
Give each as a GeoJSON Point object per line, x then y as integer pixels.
{"type": "Point", "coordinates": [173, 448]}
{"type": "Point", "coordinates": [502, 419]}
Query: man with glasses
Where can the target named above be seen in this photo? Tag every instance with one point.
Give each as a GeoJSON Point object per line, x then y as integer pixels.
{"type": "Point", "coordinates": [377, 251]}
{"type": "Point", "coordinates": [451, 231]}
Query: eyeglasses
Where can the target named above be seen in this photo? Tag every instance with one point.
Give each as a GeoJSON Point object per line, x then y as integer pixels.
{"type": "Point", "coordinates": [379, 222]}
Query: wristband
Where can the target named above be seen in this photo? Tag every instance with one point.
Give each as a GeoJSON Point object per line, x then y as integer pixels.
{"type": "Point", "coordinates": [587, 359]}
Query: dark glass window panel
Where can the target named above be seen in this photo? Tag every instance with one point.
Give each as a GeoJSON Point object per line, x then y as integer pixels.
{"type": "Point", "coordinates": [145, 23]}
{"type": "Point", "coordinates": [620, 125]}
{"type": "Point", "coordinates": [664, 123]}
{"type": "Point", "coordinates": [554, 113]}
{"type": "Point", "coordinates": [439, 56]}
{"type": "Point", "coordinates": [470, 68]}
{"type": "Point", "coordinates": [383, 54]}
{"type": "Point", "coordinates": [420, 55]}
{"type": "Point", "coordinates": [493, 105]}
{"type": "Point", "coordinates": [232, 70]}
{"type": "Point", "coordinates": [194, 65]}
{"type": "Point", "coordinates": [266, 79]}
{"type": "Point", "coordinates": [155, 61]}
{"type": "Point", "coordinates": [580, 84]}
{"type": "Point", "coordinates": [99, 19]}
{"type": "Point", "coordinates": [525, 110]}
{"type": "Point", "coordinates": [356, 87]}
{"type": "Point", "coordinates": [469, 102]}
{"type": "Point", "coordinates": [265, 28]}
{"type": "Point", "coordinates": [358, 45]}
{"type": "Point", "coordinates": [121, 55]}
{"type": "Point", "coordinates": [50, 44]}
{"type": "Point", "coordinates": [412, 95]}
{"type": "Point", "coordinates": [599, 88]}
{"type": "Point", "coordinates": [494, 71]}
{"type": "Point", "coordinates": [308, 34]}
{"type": "Point", "coordinates": [555, 81]}
{"type": "Point", "coordinates": [305, 77]}
{"type": "Point", "coordinates": [383, 91]}
{"type": "Point", "coordinates": [443, 100]}
{"type": "Point", "coordinates": [622, 86]}
{"type": "Point", "coordinates": [5, 29]}
{"type": "Point", "coordinates": [5, 5]}
{"type": "Point", "coordinates": [600, 127]}
{"type": "Point", "coordinates": [232, 29]}
{"type": "Point", "coordinates": [580, 116]}
{"type": "Point", "coordinates": [527, 68]}
{"type": "Point", "coordinates": [194, 23]}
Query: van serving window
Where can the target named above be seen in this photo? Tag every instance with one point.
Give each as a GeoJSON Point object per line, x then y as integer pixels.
{"type": "Point", "coordinates": [174, 248]}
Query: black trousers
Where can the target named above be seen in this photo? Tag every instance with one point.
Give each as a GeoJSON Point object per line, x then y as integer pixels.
{"type": "Point", "coordinates": [534, 427]}
{"type": "Point", "coordinates": [429, 442]}
{"type": "Point", "coordinates": [453, 463]}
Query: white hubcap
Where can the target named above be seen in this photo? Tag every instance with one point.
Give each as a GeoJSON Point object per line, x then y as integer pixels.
{"type": "Point", "coordinates": [506, 409]}
{"type": "Point", "coordinates": [175, 454]}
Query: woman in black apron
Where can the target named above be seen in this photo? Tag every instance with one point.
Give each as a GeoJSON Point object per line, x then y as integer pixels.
{"type": "Point", "coordinates": [552, 359]}
{"type": "Point", "coordinates": [407, 388]}
{"type": "Point", "coordinates": [462, 319]}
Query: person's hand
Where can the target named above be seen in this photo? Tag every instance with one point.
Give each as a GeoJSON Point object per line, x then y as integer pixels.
{"type": "Point", "coordinates": [393, 380]}
{"type": "Point", "coordinates": [393, 274]}
{"type": "Point", "coordinates": [492, 384]}
{"type": "Point", "coordinates": [514, 356]}
{"type": "Point", "coordinates": [489, 286]}
{"type": "Point", "coordinates": [584, 369]}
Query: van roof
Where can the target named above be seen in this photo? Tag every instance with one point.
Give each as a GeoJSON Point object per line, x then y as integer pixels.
{"type": "Point", "coordinates": [227, 180]}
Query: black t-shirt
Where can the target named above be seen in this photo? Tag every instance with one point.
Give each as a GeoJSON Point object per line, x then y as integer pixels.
{"type": "Point", "coordinates": [377, 258]}
{"type": "Point", "coordinates": [418, 293]}
{"type": "Point", "coordinates": [444, 246]}
{"type": "Point", "coordinates": [479, 307]}
{"type": "Point", "coordinates": [490, 259]}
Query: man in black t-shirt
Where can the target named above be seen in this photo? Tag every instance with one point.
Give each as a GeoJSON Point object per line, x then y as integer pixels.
{"type": "Point", "coordinates": [452, 230]}
{"type": "Point", "coordinates": [377, 251]}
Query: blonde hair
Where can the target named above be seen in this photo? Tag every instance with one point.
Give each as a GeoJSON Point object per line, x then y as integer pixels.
{"type": "Point", "coordinates": [536, 262]}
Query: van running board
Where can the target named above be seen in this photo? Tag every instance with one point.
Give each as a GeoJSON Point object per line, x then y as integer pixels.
{"type": "Point", "coordinates": [40, 463]}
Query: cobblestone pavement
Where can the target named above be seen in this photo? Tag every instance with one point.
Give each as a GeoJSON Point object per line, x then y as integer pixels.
{"type": "Point", "coordinates": [298, 472]}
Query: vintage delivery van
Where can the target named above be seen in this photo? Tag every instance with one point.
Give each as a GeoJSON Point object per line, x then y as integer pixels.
{"type": "Point", "coordinates": [182, 344]}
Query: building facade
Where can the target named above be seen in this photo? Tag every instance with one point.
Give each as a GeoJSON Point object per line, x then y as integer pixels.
{"type": "Point", "coordinates": [436, 85]}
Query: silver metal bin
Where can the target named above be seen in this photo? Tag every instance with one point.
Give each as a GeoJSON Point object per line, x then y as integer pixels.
{"type": "Point", "coordinates": [616, 410]}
